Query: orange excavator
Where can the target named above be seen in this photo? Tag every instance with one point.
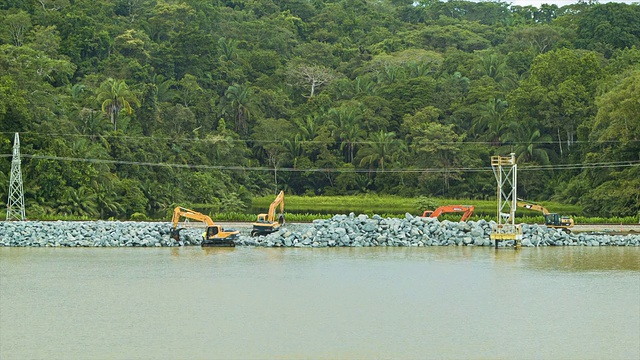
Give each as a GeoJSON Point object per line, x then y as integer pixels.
{"type": "Point", "coordinates": [466, 209]}
{"type": "Point", "coordinates": [266, 223]}
{"type": "Point", "coordinates": [214, 235]}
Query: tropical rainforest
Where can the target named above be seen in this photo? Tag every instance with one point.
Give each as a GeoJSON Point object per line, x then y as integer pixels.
{"type": "Point", "coordinates": [128, 107]}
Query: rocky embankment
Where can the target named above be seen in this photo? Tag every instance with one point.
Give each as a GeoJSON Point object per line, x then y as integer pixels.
{"type": "Point", "coordinates": [86, 233]}
{"type": "Point", "coordinates": [341, 230]}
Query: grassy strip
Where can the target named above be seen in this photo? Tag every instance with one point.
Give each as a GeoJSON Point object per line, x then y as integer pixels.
{"type": "Point", "coordinates": [307, 209]}
{"type": "Point", "coordinates": [293, 217]}
{"type": "Point", "coordinates": [309, 217]}
{"type": "Point", "coordinates": [388, 204]}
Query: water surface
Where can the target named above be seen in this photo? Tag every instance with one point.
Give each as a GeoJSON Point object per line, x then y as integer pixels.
{"type": "Point", "coordinates": [193, 303]}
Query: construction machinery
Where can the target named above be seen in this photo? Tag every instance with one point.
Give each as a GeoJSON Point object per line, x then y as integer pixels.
{"type": "Point", "coordinates": [466, 209]}
{"type": "Point", "coordinates": [214, 235]}
{"type": "Point", "coordinates": [552, 220]}
{"type": "Point", "coordinates": [266, 223]}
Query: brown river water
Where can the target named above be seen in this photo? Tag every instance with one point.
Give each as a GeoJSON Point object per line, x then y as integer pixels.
{"type": "Point", "coordinates": [331, 303]}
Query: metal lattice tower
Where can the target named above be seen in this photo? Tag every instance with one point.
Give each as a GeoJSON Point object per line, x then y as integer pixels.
{"type": "Point", "coordinates": [15, 203]}
{"type": "Point", "coordinates": [505, 170]}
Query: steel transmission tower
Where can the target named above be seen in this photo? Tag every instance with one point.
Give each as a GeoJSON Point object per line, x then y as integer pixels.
{"type": "Point", "coordinates": [15, 204]}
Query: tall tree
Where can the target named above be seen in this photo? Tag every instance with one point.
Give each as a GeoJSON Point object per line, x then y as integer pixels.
{"type": "Point", "coordinates": [559, 94]}
{"type": "Point", "coordinates": [15, 27]}
{"type": "Point", "coordinates": [527, 143]}
{"type": "Point", "coordinates": [379, 149]}
{"type": "Point", "coordinates": [490, 120]}
{"type": "Point", "coordinates": [115, 96]}
{"type": "Point", "coordinates": [436, 146]}
{"type": "Point", "coordinates": [311, 77]}
{"type": "Point", "coordinates": [346, 128]}
{"type": "Point", "coordinates": [238, 101]}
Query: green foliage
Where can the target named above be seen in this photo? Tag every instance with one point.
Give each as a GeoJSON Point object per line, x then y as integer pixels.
{"type": "Point", "coordinates": [115, 96]}
{"type": "Point", "coordinates": [424, 203]}
{"type": "Point", "coordinates": [134, 107]}
{"type": "Point", "coordinates": [231, 202]}
{"type": "Point", "coordinates": [389, 204]}
{"type": "Point", "coordinates": [138, 217]}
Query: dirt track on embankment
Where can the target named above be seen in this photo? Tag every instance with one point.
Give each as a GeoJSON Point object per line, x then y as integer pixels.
{"type": "Point", "coordinates": [615, 228]}
{"type": "Point", "coordinates": [607, 228]}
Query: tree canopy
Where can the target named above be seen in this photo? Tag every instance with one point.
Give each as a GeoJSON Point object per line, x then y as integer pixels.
{"type": "Point", "coordinates": [132, 107]}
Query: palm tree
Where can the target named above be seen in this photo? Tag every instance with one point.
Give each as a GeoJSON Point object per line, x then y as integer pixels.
{"type": "Point", "coordinates": [227, 48]}
{"type": "Point", "coordinates": [309, 127]}
{"type": "Point", "coordinates": [363, 183]}
{"type": "Point", "coordinates": [238, 101]}
{"type": "Point", "coordinates": [491, 121]}
{"type": "Point", "coordinates": [390, 74]}
{"type": "Point", "coordinates": [363, 85]}
{"type": "Point", "coordinates": [347, 128]}
{"type": "Point", "coordinates": [80, 202]}
{"type": "Point", "coordinates": [77, 90]}
{"type": "Point", "coordinates": [495, 67]}
{"type": "Point", "coordinates": [528, 144]}
{"type": "Point", "coordinates": [315, 135]}
{"type": "Point", "coordinates": [294, 147]}
{"type": "Point", "coordinates": [421, 68]}
{"type": "Point", "coordinates": [158, 196]}
{"type": "Point", "coordinates": [379, 149]}
{"type": "Point", "coordinates": [106, 201]}
{"type": "Point", "coordinates": [115, 96]}
{"type": "Point", "coordinates": [161, 91]}
{"type": "Point", "coordinates": [92, 124]}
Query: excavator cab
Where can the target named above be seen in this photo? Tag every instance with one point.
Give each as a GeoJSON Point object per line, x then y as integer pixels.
{"type": "Point", "coordinates": [552, 219]}
{"type": "Point", "coordinates": [216, 236]}
{"type": "Point", "coordinates": [212, 231]}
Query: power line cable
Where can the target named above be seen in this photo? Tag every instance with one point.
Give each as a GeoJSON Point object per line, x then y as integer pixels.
{"type": "Point", "coordinates": [358, 142]}
{"type": "Point", "coordinates": [613, 164]}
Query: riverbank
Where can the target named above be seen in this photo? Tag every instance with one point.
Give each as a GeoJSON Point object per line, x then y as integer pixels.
{"type": "Point", "coordinates": [339, 231]}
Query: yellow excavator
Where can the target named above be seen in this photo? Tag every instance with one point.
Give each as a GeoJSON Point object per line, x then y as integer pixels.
{"type": "Point", "coordinates": [214, 235]}
{"type": "Point", "coordinates": [266, 223]}
{"type": "Point", "coordinates": [552, 220]}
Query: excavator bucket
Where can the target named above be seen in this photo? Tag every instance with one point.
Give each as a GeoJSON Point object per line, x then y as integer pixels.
{"type": "Point", "coordinates": [175, 234]}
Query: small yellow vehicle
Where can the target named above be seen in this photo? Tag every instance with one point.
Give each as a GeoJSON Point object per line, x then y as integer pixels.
{"type": "Point", "coordinates": [266, 223]}
{"type": "Point", "coordinates": [214, 235]}
{"type": "Point", "coordinates": [552, 220]}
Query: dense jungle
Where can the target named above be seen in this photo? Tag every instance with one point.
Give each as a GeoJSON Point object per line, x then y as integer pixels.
{"type": "Point", "coordinates": [126, 108]}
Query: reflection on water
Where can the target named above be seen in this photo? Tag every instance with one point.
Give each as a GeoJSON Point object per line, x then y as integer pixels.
{"type": "Point", "coordinates": [581, 258]}
{"type": "Point", "coordinates": [248, 303]}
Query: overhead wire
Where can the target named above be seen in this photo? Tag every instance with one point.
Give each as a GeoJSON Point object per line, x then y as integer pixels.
{"type": "Point", "coordinates": [357, 142]}
{"type": "Point", "coordinates": [612, 164]}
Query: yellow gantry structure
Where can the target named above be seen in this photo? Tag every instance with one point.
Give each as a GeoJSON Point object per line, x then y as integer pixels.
{"type": "Point", "coordinates": [505, 170]}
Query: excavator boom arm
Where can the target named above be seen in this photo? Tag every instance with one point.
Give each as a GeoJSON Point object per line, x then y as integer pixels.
{"type": "Point", "coordinates": [271, 217]}
{"type": "Point", "coordinates": [535, 207]}
{"type": "Point", "coordinates": [179, 212]}
{"type": "Point", "coordinates": [467, 209]}
{"type": "Point", "coordinates": [551, 219]}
